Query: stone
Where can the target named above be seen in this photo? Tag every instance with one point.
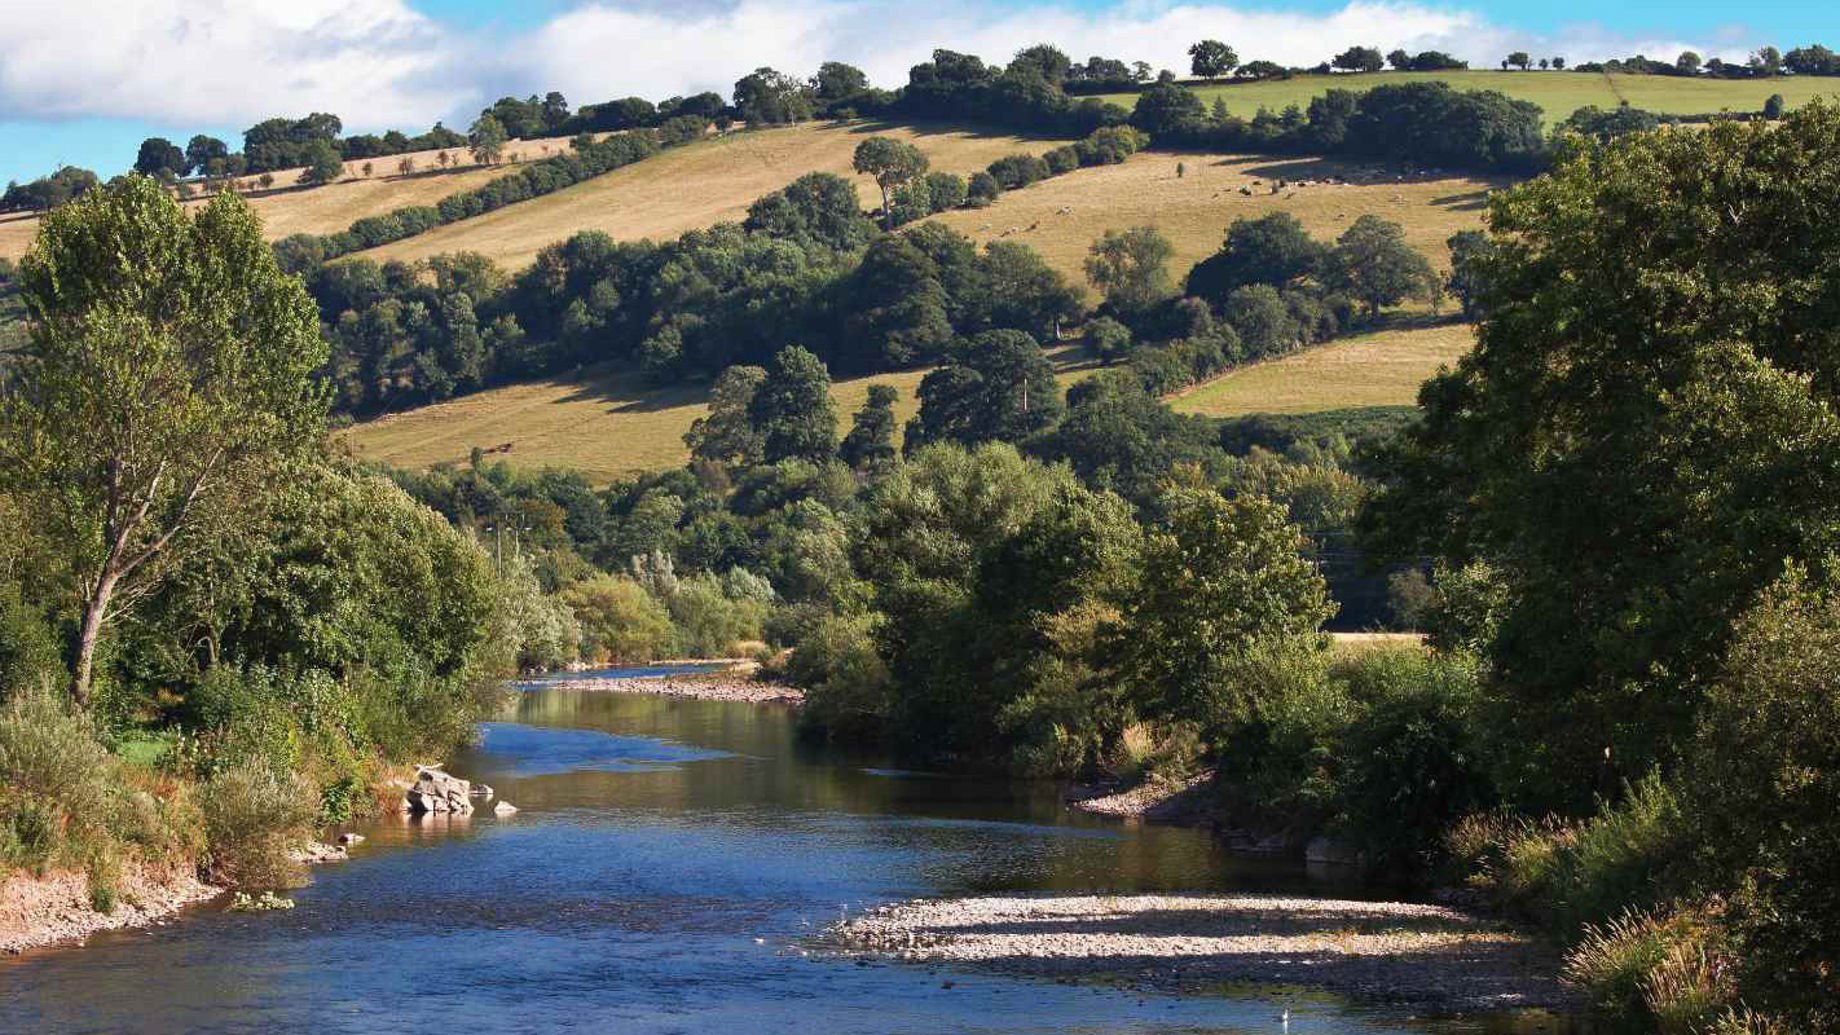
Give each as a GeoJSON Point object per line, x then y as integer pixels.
{"type": "Point", "coordinates": [504, 808]}
{"type": "Point", "coordinates": [351, 839]}
{"type": "Point", "coordinates": [436, 791]}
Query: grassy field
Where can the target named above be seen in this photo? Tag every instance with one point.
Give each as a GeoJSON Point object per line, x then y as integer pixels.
{"type": "Point", "coordinates": [288, 209]}
{"type": "Point", "coordinates": [606, 424]}
{"type": "Point", "coordinates": [1557, 93]}
{"type": "Point", "coordinates": [696, 186]}
{"type": "Point", "coordinates": [1380, 369]}
{"type": "Point", "coordinates": [1062, 216]}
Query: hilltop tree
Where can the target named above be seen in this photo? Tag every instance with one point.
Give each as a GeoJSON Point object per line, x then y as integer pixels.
{"type": "Point", "coordinates": [1211, 59]}
{"type": "Point", "coordinates": [792, 409]}
{"type": "Point", "coordinates": [1373, 263]}
{"type": "Point", "coordinates": [837, 81]}
{"type": "Point", "coordinates": [169, 378]}
{"type": "Point", "coordinates": [1558, 63]}
{"type": "Point", "coordinates": [1131, 267]}
{"type": "Point", "coordinates": [1767, 60]}
{"type": "Point", "coordinates": [1520, 59]}
{"type": "Point", "coordinates": [1360, 59]}
{"type": "Point", "coordinates": [323, 164]}
{"type": "Point", "coordinates": [159, 157]}
{"type": "Point", "coordinates": [1400, 60]}
{"type": "Point", "coordinates": [727, 434]}
{"type": "Point", "coordinates": [869, 447]}
{"type": "Point", "coordinates": [487, 139]}
{"type": "Point", "coordinates": [766, 97]}
{"type": "Point", "coordinates": [201, 151]}
{"type": "Point", "coordinates": [1688, 63]}
{"type": "Point", "coordinates": [1049, 61]}
{"type": "Point", "coordinates": [893, 164]}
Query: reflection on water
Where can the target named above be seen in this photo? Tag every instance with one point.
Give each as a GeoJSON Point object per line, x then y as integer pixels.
{"type": "Point", "coordinates": [668, 863]}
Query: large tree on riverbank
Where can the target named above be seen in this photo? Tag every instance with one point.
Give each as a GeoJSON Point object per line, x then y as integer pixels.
{"type": "Point", "coordinates": [166, 381]}
{"type": "Point", "coordinates": [1647, 430]}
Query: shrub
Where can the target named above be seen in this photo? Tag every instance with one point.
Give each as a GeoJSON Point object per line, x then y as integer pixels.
{"type": "Point", "coordinates": [1412, 764]}
{"type": "Point", "coordinates": [1653, 966]}
{"type": "Point", "coordinates": [1062, 159]}
{"type": "Point", "coordinates": [981, 189]}
{"type": "Point", "coordinates": [620, 621]}
{"type": "Point", "coordinates": [59, 787]}
{"type": "Point", "coordinates": [1013, 172]}
{"type": "Point", "coordinates": [28, 650]}
{"type": "Point", "coordinates": [847, 686]}
{"type": "Point", "coordinates": [254, 816]}
{"type": "Point", "coordinates": [709, 622]}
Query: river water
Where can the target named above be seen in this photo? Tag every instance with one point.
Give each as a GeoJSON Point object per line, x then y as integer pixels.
{"type": "Point", "coordinates": [668, 870]}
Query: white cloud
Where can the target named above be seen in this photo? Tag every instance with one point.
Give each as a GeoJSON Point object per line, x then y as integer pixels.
{"type": "Point", "coordinates": [380, 63]}
{"type": "Point", "coordinates": [223, 61]}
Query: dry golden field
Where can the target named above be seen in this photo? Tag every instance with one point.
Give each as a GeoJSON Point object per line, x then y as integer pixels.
{"type": "Point", "coordinates": [289, 209]}
{"type": "Point", "coordinates": [696, 186]}
{"type": "Point", "coordinates": [1384, 368]}
{"type": "Point", "coordinates": [1062, 216]}
{"type": "Point", "coordinates": [605, 424]}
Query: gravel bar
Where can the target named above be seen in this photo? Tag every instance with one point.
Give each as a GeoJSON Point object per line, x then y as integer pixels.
{"type": "Point", "coordinates": [1426, 956]}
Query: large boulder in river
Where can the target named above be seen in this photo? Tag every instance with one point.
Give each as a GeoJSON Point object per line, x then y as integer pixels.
{"type": "Point", "coordinates": [436, 791]}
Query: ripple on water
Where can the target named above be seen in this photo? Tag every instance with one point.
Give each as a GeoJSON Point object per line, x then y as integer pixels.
{"type": "Point", "coordinates": [544, 751]}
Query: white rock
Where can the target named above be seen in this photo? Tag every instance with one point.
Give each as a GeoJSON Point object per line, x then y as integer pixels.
{"type": "Point", "coordinates": [504, 808]}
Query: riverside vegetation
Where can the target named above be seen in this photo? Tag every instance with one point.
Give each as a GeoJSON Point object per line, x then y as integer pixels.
{"type": "Point", "coordinates": [1614, 518]}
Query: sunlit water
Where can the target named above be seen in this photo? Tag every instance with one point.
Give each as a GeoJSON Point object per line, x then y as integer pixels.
{"type": "Point", "coordinates": [669, 867]}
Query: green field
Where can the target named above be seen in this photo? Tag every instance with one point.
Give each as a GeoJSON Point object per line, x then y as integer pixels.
{"type": "Point", "coordinates": [606, 423]}
{"type": "Point", "coordinates": [1384, 368]}
{"type": "Point", "coordinates": [1557, 93]}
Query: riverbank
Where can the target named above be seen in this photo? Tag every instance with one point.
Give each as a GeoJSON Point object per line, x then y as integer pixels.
{"type": "Point", "coordinates": [1426, 956]}
{"type": "Point", "coordinates": [40, 912]}
{"type": "Point", "coordinates": [735, 683]}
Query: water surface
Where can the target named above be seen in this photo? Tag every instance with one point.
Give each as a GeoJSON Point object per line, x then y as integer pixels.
{"type": "Point", "coordinates": [667, 870]}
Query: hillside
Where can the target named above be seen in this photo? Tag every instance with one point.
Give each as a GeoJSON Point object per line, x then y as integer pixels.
{"type": "Point", "coordinates": [1384, 368]}
{"type": "Point", "coordinates": [1557, 93]}
{"type": "Point", "coordinates": [1061, 217]}
{"type": "Point", "coordinates": [696, 186]}
{"type": "Point", "coordinates": [606, 423]}
{"type": "Point", "coordinates": [290, 209]}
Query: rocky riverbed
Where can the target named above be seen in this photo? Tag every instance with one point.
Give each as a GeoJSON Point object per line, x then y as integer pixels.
{"type": "Point", "coordinates": [55, 909]}
{"type": "Point", "coordinates": [735, 684]}
{"type": "Point", "coordinates": [1427, 956]}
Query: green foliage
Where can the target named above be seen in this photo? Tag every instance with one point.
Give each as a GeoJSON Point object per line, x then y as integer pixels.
{"type": "Point", "coordinates": [848, 692]}
{"type": "Point", "coordinates": [1373, 264]}
{"type": "Point", "coordinates": [1413, 764]}
{"type": "Point", "coordinates": [1221, 580]}
{"type": "Point", "coordinates": [727, 435]}
{"type": "Point", "coordinates": [58, 789]}
{"type": "Point", "coordinates": [1273, 249]}
{"type": "Point", "coordinates": [996, 386]}
{"type": "Point", "coordinates": [1634, 387]}
{"type": "Point", "coordinates": [1131, 268]}
{"type": "Point", "coordinates": [29, 652]}
{"type": "Point", "coordinates": [792, 410]}
{"type": "Point", "coordinates": [709, 621]}
{"type": "Point", "coordinates": [620, 621]}
{"type": "Point", "coordinates": [869, 446]}
{"type": "Point", "coordinates": [167, 382]}
{"type": "Point", "coordinates": [254, 816]}
{"type": "Point", "coordinates": [1766, 760]}
{"type": "Point", "coordinates": [893, 164]}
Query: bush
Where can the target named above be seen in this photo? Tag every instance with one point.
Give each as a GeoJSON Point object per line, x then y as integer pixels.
{"type": "Point", "coordinates": [848, 692]}
{"type": "Point", "coordinates": [29, 654]}
{"type": "Point", "coordinates": [60, 789]}
{"type": "Point", "coordinates": [1412, 763]}
{"type": "Point", "coordinates": [1645, 965]}
{"type": "Point", "coordinates": [254, 816]}
{"type": "Point", "coordinates": [1013, 172]}
{"type": "Point", "coordinates": [620, 621]}
{"type": "Point", "coordinates": [981, 190]}
{"type": "Point", "coordinates": [709, 622]}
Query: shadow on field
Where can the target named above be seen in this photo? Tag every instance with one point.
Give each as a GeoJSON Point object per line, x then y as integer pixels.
{"type": "Point", "coordinates": [624, 394]}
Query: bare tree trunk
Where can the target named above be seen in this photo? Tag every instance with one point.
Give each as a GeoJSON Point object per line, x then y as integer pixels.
{"type": "Point", "coordinates": [94, 609]}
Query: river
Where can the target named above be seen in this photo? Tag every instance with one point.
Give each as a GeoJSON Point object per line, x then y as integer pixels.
{"type": "Point", "coordinates": [669, 867]}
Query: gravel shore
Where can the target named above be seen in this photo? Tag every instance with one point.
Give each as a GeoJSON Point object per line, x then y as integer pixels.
{"type": "Point", "coordinates": [36, 912]}
{"type": "Point", "coordinates": [723, 685]}
{"type": "Point", "coordinates": [1430, 957]}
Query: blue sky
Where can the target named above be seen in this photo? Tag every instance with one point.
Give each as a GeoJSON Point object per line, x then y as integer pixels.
{"type": "Point", "coordinates": [83, 81]}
